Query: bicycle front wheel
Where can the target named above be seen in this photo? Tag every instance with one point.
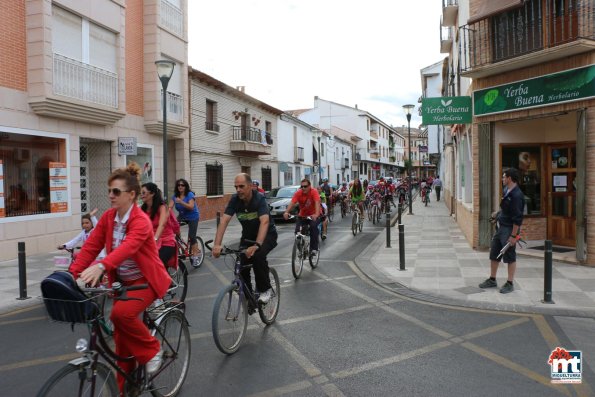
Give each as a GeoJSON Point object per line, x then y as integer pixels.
{"type": "Point", "coordinates": [200, 255]}
{"type": "Point", "coordinates": [71, 378]}
{"type": "Point", "coordinates": [354, 223]}
{"type": "Point", "coordinates": [230, 319]}
{"type": "Point", "coordinates": [268, 312]}
{"type": "Point", "coordinates": [174, 337]}
{"type": "Point", "coordinates": [297, 258]}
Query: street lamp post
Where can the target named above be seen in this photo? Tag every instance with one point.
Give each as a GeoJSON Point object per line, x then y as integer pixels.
{"type": "Point", "coordinates": [408, 109]}
{"type": "Point", "coordinates": [165, 69]}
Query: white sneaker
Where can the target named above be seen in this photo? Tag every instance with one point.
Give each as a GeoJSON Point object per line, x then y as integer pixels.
{"type": "Point", "coordinates": [155, 363]}
{"type": "Point", "coordinates": [313, 253]}
{"type": "Point", "coordinates": [266, 296]}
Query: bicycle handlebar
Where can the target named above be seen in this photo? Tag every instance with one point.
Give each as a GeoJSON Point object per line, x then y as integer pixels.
{"type": "Point", "coordinates": [226, 250]}
{"type": "Point", "coordinates": [118, 289]}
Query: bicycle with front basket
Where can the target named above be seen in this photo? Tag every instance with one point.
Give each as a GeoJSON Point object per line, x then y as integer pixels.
{"type": "Point", "coordinates": [238, 300]}
{"type": "Point", "coordinates": [87, 376]}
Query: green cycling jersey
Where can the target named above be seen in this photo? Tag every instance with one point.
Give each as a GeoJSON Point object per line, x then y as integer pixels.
{"type": "Point", "coordinates": [357, 198]}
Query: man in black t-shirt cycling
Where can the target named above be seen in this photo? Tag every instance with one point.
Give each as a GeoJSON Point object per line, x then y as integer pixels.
{"type": "Point", "coordinates": [257, 225]}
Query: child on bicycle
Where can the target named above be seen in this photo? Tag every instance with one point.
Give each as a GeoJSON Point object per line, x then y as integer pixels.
{"type": "Point", "coordinates": [88, 222]}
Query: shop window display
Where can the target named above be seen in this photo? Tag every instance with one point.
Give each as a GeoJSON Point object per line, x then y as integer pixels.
{"type": "Point", "coordinates": [527, 159]}
{"type": "Point", "coordinates": [26, 171]}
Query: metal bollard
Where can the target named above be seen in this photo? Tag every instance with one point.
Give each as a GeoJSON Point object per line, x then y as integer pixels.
{"type": "Point", "coordinates": [401, 246]}
{"type": "Point", "coordinates": [400, 209]}
{"type": "Point", "coordinates": [388, 230]}
{"type": "Point", "coordinates": [218, 218]}
{"type": "Point", "coordinates": [22, 272]}
{"type": "Point", "coordinates": [547, 272]}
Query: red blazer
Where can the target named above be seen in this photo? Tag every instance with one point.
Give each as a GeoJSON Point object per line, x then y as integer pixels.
{"type": "Point", "coordinates": [139, 245]}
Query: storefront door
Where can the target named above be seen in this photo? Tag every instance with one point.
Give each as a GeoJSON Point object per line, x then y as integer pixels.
{"type": "Point", "coordinates": [561, 194]}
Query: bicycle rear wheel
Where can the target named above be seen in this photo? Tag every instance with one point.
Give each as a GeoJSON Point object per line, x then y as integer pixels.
{"type": "Point", "coordinates": [268, 312]}
{"type": "Point", "coordinates": [179, 278]}
{"type": "Point", "coordinates": [174, 337]}
{"type": "Point", "coordinates": [331, 213]}
{"type": "Point", "coordinates": [313, 260]}
{"type": "Point", "coordinates": [70, 378]}
{"type": "Point", "coordinates": [297, 258]}
{"type": "Point", "coordinates": [230, 319]}
{"type": "Point", "coordinates": [354, 223]}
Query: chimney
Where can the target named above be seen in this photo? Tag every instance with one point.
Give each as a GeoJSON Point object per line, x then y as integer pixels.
{"type": "Point", "coordinates": [356, 105]}
{"type": "Point", "coordinates": [241, 88]}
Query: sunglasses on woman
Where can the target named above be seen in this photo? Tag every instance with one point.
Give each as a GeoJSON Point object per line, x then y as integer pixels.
{"type": "Point", "coordinates": [117, 192]}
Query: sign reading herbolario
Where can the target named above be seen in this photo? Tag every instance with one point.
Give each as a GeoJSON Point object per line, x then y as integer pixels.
{"type": "Point", "coordinates": [568, 86]}
{"type": "Point", "coordinates": [2, 205]}
{"type": "Point", "coordinates": [446, 110]}
{"type": "Point", "coordinates": [58, 187]}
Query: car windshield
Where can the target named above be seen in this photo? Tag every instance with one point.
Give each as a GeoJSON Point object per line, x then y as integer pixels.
{"type": "Point", "coordinates": [272, 193]}
{"type": "Point", "coordinates": [286, 192]}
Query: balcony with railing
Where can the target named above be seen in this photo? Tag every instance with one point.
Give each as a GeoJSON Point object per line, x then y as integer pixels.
{"type": "Point", "coordinates": [210, 126]}
{"type": "Point", "coordinates": [175, 107]}
{"type": "Point", "coordinates": [171, 18]}
{"type": "Point", "coordinates": [450, 10]}
{"type": "Point", "coordinates": [249, 141]}
{"type": "Point", "coordinates": [298, 156]}
{"type": "Point", "coordinates": [445, 39]}
{"type": "Point", "coordinates": [537, 32]}
{"type": "Point", "coordinates": [374, 134]}
{"type": "Point", "coordinates": [80, 92]}
{"type": "Point", "coordinates": [84, 82]}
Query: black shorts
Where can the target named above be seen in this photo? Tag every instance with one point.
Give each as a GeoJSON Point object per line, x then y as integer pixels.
{"type": "Point", "coordinates": [498, 242]}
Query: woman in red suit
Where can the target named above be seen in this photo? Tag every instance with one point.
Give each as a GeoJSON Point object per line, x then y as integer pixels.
{"type": "Point", "coordinates": [126, 233]}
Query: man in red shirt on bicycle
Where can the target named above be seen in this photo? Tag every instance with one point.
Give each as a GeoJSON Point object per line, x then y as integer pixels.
{"type": "Point", "coordinates": [309, 202]}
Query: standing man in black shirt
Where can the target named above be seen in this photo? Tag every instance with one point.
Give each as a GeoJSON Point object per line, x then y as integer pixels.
{"type": "Point", "coordinates": [257, 225]}
{"type": "Point", "coordinates": [510, 218]}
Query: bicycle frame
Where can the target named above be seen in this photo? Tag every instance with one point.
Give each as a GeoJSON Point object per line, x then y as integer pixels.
{"type": "Point", "coordinates": [98, 347]}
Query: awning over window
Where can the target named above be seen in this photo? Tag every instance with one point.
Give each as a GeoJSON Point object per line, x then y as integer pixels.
{"type": "Point", "coordinates": [488, 8]}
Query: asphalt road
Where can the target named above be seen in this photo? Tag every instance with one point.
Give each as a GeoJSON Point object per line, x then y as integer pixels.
{"type": "Point", "coordinates": [337, 334]}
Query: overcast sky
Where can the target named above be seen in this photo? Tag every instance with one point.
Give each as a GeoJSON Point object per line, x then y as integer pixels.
{"type": "Point", "coordinates": [285, 52]}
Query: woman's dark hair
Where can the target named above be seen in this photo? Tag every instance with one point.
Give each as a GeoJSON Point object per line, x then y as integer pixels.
{"type": "Point", "coordinates": [186, 187]}
{"type": "Point", "coordinates": [157, 199]}
{"type": "Point", "coordinates": [130, 175]}
{"type": "Point", "coordinates": [87, 217]}
{"type": "Point", "coordinates": [357, 187]}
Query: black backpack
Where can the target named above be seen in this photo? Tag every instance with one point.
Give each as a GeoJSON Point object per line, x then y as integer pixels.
{"type": "Point", "coordinates": [64, 300]}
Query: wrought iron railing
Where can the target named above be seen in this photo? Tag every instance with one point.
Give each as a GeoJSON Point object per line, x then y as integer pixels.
{"type": "Point", "coordinates": [210, 126]}
{"type": "Point", "coordinates": [250, 134]}
{"type": "Point", "coordinates": [175, 107]}
{"type": "Point", "coordinates": [299, 154]}
{"type": "Point", "coordinates": [171, 18]}
{"type": "Point", "coordinates": [535, 26]}
{"type": "Point", "coordinates": [78, 80]}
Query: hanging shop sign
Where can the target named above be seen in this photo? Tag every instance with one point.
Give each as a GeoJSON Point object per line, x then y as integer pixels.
{"type": "Point", "coordinates": [58, 187]}
{"type": "Point", "coordinates": [446, 110]}
{"type": "Point", "coordinates": [2, 205]}
{"type": "Point", "coordinates": [127, 146]}
{"type": "Point", "coordinates": [568, 86]}
{"type": "Point", "coordinates": [423, 149]}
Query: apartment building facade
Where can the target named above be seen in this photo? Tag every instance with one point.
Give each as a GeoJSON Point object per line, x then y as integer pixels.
{"type": "Point", "coordinates": [80, 97]}
{"type": "Point", "coordinates": [375, 155]}
{"type": "Point", "coordinates": [533, 70]}
{"type": "Point", "coordinates": [231, 132]}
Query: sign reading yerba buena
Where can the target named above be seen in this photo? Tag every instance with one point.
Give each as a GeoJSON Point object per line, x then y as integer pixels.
{"type": "Point", "coordinates": [446, 110]}
{"type": "Point", "coordinates": [568, 86]}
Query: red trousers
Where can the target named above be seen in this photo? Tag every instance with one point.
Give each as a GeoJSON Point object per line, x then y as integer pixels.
{"type": "Point", "coordinates": [131, 335]}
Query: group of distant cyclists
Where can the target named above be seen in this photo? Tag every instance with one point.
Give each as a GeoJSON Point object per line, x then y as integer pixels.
{"type": "Point", "coordinates": [133, 244]}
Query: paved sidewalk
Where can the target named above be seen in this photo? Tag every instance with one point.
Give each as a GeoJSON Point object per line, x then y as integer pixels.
{"type": "Point", "coordinates": [442, 267]}
{"type": "Point", "coordinates": [39, 266]}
